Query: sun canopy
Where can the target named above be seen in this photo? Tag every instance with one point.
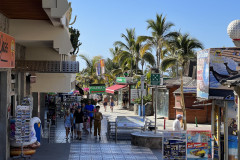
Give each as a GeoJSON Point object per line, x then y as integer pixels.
{"type": "Point", "coordinates": [114, 88]}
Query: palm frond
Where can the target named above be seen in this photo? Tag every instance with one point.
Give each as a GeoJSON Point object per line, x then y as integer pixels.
{"type": "Point", "coordinates": [168, 62]}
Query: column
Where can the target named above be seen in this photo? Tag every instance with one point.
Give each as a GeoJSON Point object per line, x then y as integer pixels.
{"type": "Point", "coordinates": [5, 83]}
{"type": "Point", "coordinates": [35, 104]}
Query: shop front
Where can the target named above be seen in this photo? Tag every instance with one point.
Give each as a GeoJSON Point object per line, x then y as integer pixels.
{"type": "Point", "coordinates": [7, 61]}
{"type": "Point", "coordinates": [117, 90]}
{"type": "Point", "coordinates": [215, 67]}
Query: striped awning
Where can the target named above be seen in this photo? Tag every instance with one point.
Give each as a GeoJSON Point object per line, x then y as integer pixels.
{"type": "Point", "coordinates": [114, 88]}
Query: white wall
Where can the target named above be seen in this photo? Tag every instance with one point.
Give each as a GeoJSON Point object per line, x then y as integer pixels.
{"type": "Point", "coordinates": [42, 53]}
{"type": "Point", "coordinates": [53, 82]}
{"type": "Point", "coordinates": [41, 30]}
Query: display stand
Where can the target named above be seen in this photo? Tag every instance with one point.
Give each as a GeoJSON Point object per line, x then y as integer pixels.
{"type": "Point", "coordinates": [22, 126]}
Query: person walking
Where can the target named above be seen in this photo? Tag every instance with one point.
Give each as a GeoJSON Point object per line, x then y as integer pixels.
{"type": "Point", "coordinates": [97, 122]}
{"type": "Point", "coordinates": [112, 104]}
{"type": "Point", "coordinates": [73, 126]}
{"type": "Point", "coordinates": [105, 101]}
{"type": "Point", "coordinates": [176, 123]}
{"type": "Point", "coordinates": [67, 123]}
{"type": "Point", "coordinates": [78, 117]}
{"type": "Point", "coordinates": [90, 111]}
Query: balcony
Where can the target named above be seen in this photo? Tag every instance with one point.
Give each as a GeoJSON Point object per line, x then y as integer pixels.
{"type": "Point", "coordinates": [47, 66]}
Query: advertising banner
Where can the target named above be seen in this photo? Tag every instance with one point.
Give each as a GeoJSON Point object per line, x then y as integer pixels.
{"type": "Point", "coordinates": [232, 131]}
{"type": "Point", "coordinates": [97, 88]}
{"type": "Point", "coordinates": [7, 51]}
{"type": "Point", "coordinates": [199, 145]}
{"type": "Point", "coordinates": [203, 74]}
{"type": "Point", "coordinates": [98, 69]}
{"type": "Point", "coordinates": [216, 66]}
{"type": "Point", "coordinates": [102, 66]}
{"type": "Point", "coordinates": [174, 145]}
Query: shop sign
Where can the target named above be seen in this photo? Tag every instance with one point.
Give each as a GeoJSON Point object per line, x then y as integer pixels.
{"type": "Point", "coordinates": [121, 80]}
{"type": "Point", "coordinates": [136, 93]}
{"type": "Point", "coordinates": [97, 89]}
{"type": "Point", "coordinates": [199, 145]}
{"type": "Point", "coordinates": [174, 145]}
{"type": "Point", "coordinates": [155, 79]}
{"type": "Point", "coordinates": [7, 51]}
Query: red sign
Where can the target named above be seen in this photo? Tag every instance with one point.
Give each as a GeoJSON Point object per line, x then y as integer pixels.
{"type": "Point", "coordinates": [197, 145]}
{"type": "Point", "coordinates": [7, 51]}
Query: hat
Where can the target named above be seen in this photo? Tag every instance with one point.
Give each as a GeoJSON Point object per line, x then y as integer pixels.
{"type": "Point", "coordinates": [79, 107]}
{"type": "Point", "coordinates": [179, 116]}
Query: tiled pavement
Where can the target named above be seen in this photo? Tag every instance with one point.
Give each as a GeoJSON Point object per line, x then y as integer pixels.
{"type": "Point", "coordinates": [109, 152]}
{"type": "Point", "coordinates": [89, 148]}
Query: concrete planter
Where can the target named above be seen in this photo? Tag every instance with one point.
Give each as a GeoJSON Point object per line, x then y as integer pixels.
{"type": "Point", "coordinates": [131, 108]}
{"type": "Point", "coordinates": [149, 109]}
{"type": "Point", "coordinates": [147, 139]}
{"type": "Point", "coordinates": [135, 109]}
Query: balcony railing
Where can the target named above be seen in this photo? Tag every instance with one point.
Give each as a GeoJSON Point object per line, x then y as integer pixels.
{"type": "Point", "coordinates": [47, 66]}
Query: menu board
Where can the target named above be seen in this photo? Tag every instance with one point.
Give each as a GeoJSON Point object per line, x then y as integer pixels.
{"type": "Point", "coordinates": [174, 145]}
{"type": "Point", "coordinates": [22, 124]}
{"type": "Point", "coordinates": [199, 145]}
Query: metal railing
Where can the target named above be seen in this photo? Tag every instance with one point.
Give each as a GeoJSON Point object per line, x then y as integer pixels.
{"type": "Point", "coordinates": [47, 66]}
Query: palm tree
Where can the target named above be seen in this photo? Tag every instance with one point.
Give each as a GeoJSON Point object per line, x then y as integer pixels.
{"type": "Point", "coordinates": [128, 53]}
{"type": "Point", "coordinates": [90, 71]}
{"type": "Point", "coordinates": [185, 50]}
{"type": "Point", "coordinates": [160, 33]}
{"type": "Point", "coordinates": [145, 55]}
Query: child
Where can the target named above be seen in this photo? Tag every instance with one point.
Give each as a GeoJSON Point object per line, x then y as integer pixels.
{"type": "Point", "coordinates": [67, 123]}
{"type": "Point", "coordinates": [97, 122]}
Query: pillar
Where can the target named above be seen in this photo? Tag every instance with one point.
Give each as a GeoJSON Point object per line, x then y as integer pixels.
{"type": "Point", "coordinates": [35, 104]}
{"type": "Point", "coordinates": [42, 107]}
{"type": "Point", "coordinates": [5, 98]}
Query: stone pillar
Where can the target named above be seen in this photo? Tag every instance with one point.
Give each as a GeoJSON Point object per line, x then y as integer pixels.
{"type": "Point", "coordinates": [35, 104]}
{"type": "Point", "coordinates": [42, 108]}
{"type": "Point", "coordinates": [5, 99]}
{"type": "Point", "coordinates": [22, 86]}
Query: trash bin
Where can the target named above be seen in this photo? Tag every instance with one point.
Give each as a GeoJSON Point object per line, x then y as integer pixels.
{"type": "Point", "coordinates": [37, 127]}
{"type": "Point", "coordinates": [140, 110]}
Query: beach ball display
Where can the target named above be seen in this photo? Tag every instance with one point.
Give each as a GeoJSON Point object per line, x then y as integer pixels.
{"type": "Point", "coordinates": [233, 31]}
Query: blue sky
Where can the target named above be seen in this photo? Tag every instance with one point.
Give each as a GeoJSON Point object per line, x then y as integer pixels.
{"type": "Point", "coordinates": [101, 22]}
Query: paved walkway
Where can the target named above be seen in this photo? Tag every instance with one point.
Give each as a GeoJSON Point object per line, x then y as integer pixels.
{"type": "Point", "coordinates": [90, 149]}
{"type": "Point", "coordinates": [160, 122]}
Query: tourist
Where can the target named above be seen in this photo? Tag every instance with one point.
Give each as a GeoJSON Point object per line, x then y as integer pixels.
{"type": "Point", "coordinates": [97, 122]}
{"type": "Point", "coordinates": [85, 119]}
{"type": "Point", "coordinates": [78, 117]}
{"type": "Point", "coordinates": [105, 101]}
{"type": "Point", "coordinates": [90, 110]}
{"type": "Point", "coordinates": [176, 123]}
{"type": "Point", "coordinates": [73, 126]}
{"type": "Point", "coordinates": [125, 100]}
{"type": "Point", "coordinates": [112, 104]}
{"type": "Point", "coordinates": [67, 123]}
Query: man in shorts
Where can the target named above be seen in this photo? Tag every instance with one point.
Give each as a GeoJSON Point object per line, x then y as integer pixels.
{"type": "Point", "coordinates": [78, 117]}
{"type": "Point", "coordinates": [90, 111]}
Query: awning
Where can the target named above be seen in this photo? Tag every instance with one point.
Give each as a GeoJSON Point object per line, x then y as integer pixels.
{"type": "Point", "coordinates": [114, 88]}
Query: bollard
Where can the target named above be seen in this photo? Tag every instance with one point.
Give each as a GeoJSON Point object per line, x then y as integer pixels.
{"type": "Point", "coordinates": [196, 121]}
{"type": "Point", "coordinates": [164, 124]}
